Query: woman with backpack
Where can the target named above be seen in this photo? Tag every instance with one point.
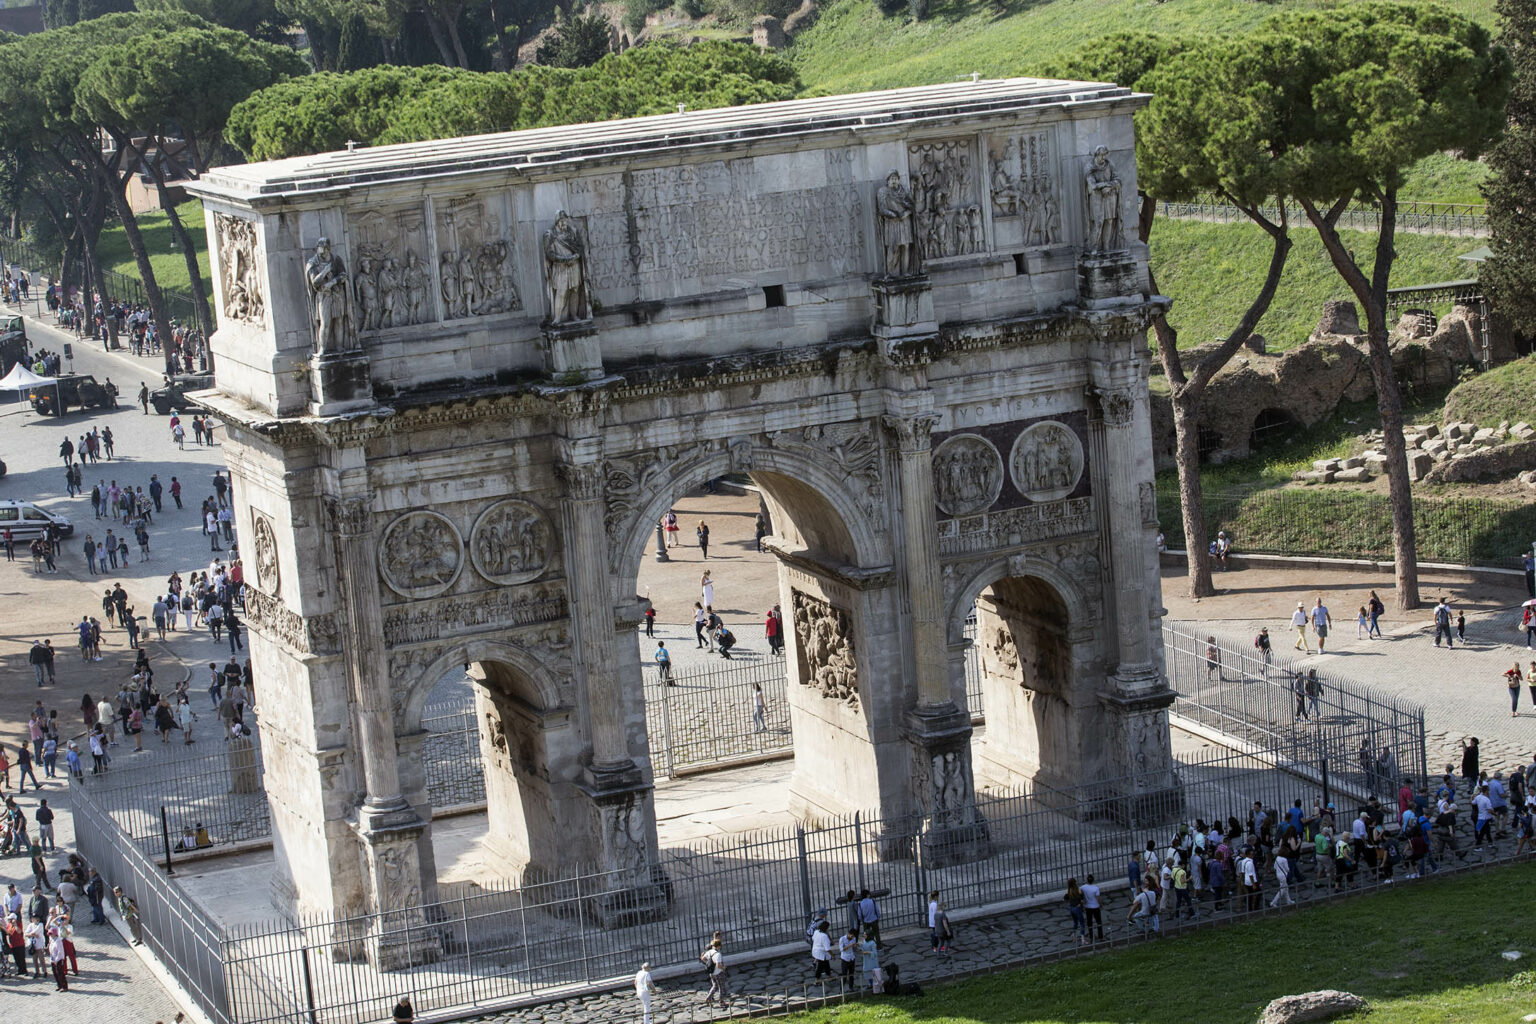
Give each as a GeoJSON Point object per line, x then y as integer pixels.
{"type": "Point", "coordinates": [1375, 609]}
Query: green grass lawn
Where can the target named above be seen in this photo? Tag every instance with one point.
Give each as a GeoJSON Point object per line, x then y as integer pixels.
{"type": "Point", "coordinates": [1212, 272]}
{"type": "Point", "coordinates": [853, 47]}
{"type": "Point", "coordinates": [1423, 954]}
{"type": "Point", "coordinates": [170, 265]}
{"type": "Point", "coordinates": [1506, 392]}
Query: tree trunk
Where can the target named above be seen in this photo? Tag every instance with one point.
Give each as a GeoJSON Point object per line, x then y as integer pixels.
{"type": "Point", "coordinates": [452, 24]}
{"type": "Point", "coordinates": [1389, 397]}
{"type": "Point", "coordinates": [183, 239]}
{"type": "Point", "coordinates": [500, 61]}
{"type": "Point", "coordinates": [439, 38]}
{"type": "Point", "coordinates": [152, 293]}
{"type": "Point", "coordinates": [1186, 430]}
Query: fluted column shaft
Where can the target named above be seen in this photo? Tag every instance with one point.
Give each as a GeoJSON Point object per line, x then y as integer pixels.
{"type": "Point", "coordinates": [920, 532]}
{"type": "Point", "coordinates": [1126, 534]}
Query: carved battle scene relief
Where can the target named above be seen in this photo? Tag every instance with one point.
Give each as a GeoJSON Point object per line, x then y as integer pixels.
{"type": "Point", "coordinates": [239, 268]}
{"type": "Point", "coordinates": [967, 474]}
{"type": "Point", "coordinates": [1025, 203]}
{"type": "Point", "coordinates": [1045, 462]}
{"type": "Point", "coordinates": [947, 214]}
{"type": "Point", "coordinates": [421, 554]}
{"type": "Point", "coordinates": [475, 251]}
{"type": "Point", "coordinates": [824, 644]}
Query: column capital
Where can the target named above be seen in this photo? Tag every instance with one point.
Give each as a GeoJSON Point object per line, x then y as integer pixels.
{"type": "Point", "coordinates": [1116, 404]}
{"type": "Point", "coordinates": [349, 517]}
{"type": "Point", "coordinates": [912, 433]}
{"type": "Point", "coordinates": [584, 481]}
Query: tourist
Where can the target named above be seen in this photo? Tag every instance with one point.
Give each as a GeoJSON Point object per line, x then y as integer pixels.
{"type": "Point", "coordinates": [1093, 910]}
{"type": "Point", "coordinates": [724, 641]}
{"type": "Point", "coordinates": [1461, 627]}
{"type": "Point", "coordinates": [869, 915]}
{"type": "Point", "coordinates": [1530, 683]}
{"type": "Point", "coordinates": [1528, 623]}
{"type": "Point", "coordinates": [1221, 547]}
{"type": "Point", "coordinates": [1469, 763]}
{"type": "Point", "coordinates": [771, 630]}
{"type": "Point", "coordinates": [1443, 623]}
{"type": "Point", "coordinates": [847, 953]}
{"type": "Point", "coordinates": [645, 989]}
{"type": "Point", "coordinates": [664, 664]}
{"type": "Point", "coordinates": [404, 1012]}
{"type": "Point", "coordinates": [702, 532]}
{"type": "Point", "coordinates": [1314, 688]}
{"type": "Point", "coordinates": [869, 949]}
{"type": "Point", "coordinates": [1321, 623]}
{"type": "Point", "coordinates": [1144, 911]}
{"type": "Point", "coordinates": [16, 940]}
{"type": "Point", "coordinates": [1262, 643]}
{"type": "Point", "coordinates": [707, 586]}
{"type": "Point", "coordinates": [1362, 624]}
{"type": "Point", "coordinates": [1249, 873]}
{"type": "Point", "coordinates": [821, 950]}
{"type": "Point", "coordinates": [650, 621]}
{"type": "Point", "coordinates": [759, 709]}
{"type": "Point", "coordinates": [1212, 658]}
{"type": "Point", "coordinates": [1299, 620]}
{"type": "Point", "coordinates": [1074, 901]}
{"type": "Point", "coordinates": [719, 983]}
{"type": "Point", "coordinates": [1513, 678]}
{"type": "Point", "coordinates": [669, 522]}
{"type": "Point", "coordinates": [1282, 882]}
{"type": "Point", "coordinates": [760, 530]}
{"type": "Point", "coordinates": [942, 926]}
{"type": "Point", "coordinates": [1299, 691]}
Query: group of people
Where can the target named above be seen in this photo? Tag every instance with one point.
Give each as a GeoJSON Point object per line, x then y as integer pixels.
{"type": "Point", "coordinates": [202, 427]}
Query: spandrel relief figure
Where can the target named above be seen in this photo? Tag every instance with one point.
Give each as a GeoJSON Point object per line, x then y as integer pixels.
{"type": "Point", "coordinates": [330, 301]}
{"type": "Point", "coordinates": [894, 204]}
{"type": "Point", "coordinates": [565, 267]}
{"type": "Point", "coordinates": [1105, 232]}
{"type": "Point", "coordinates": [417, 282]}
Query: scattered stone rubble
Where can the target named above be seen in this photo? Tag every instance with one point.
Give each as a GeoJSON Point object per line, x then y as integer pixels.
{"type": "Point", "coordinates": [1452, 453]}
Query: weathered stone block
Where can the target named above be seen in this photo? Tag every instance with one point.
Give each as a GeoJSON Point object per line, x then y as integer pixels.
{"type": "Point", "coordinates": [1419, 464]}
{"type": "Point", "coordinates": [1323, 465]}
{"type": "Point", "coordinates": [1354, 475]}
{"type": "Point", "coordinates": [1351, 463]}
{"type": "Point", "coordinates": [1311, 1006]}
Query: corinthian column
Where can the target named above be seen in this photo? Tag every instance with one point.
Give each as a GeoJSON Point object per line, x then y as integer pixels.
{"type": "Point", "coordinates": [591, 600]}
{"type": "Point", "coordinates": [367, 663]}
{"type": "Point", "coordinates": [1127, 536]}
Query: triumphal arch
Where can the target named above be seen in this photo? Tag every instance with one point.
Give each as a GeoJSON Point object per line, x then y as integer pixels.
{"type": "Point", "coordinates": [463, 379]}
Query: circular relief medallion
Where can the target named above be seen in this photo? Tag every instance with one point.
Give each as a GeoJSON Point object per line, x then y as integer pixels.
{"type": "Point", "coordinates": [511, 542]}
{"type": "Point", "coordinates": [421, 554]}
{"type": "Point", "coordinates": [1046, 461]}
{"type": "Point", "coordinates": [967, 474]}
{"type": "Point", "coordinates": [268, 575]}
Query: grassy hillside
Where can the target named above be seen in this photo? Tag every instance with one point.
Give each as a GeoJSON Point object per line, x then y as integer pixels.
{"type": "Point", "coordinates": [854, 47]}
{"type": "Point", "coordinates": [1503, 393]}
{"type": "Point", "coordinates": [1213, 271]}
{"type": "Point", "coordinates": [170, 266]}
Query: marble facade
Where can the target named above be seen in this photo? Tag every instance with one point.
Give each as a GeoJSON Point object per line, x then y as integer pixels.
{"type": "Point", "coordinates": [481, 369]}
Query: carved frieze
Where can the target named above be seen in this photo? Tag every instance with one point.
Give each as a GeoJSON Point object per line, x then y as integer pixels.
{"type": "Point", "coordinates": [1015, 527]}
{"type": "Point", "coordinates": [630, 481]}
{"type": "Point", "coordinates": [421, 554]}
{"type": "Point", "coordinates": [1024, 195]}
{"type": "Point", "coordinates": [1146, 497]}
{"type": "Point", "coordinates": [405, 669]}
{"type": "Point", "coordinates": [399, 885]}
{"type": "Point", "coordinates": [1005, 652]}
{"type": "Point", "coordinates": [947, 214]}
{"type": "Point", "coordinates": [268, 573]}
{"type": "Point", "coordinates": [951, 796]}
{"type": "Point", "coordinates": [475, 271]}
{"type": "Point", "coordinates": [824, 646]}
{"type": "Point", "coordinates": [319, 634]}
{"type": "Point", "coordinates": [425, 621]}
{"type": "Point", "coordinates": [240, 269]}
{"type": "Point", "coordinates": [1079, 560]}
{"type": "Point", "coordinates": [1046, 461]}
{"type": "Point", "coordinates": [512, 542]}
{"type": "Point", "coordinates": [967, 474]}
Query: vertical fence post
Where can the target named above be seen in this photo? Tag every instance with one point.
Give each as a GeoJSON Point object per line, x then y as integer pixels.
{"type": "Point", "coordinates": [805, 871]}
{"type": "Point", "coordinates": [165, 837]}
{"type": "Point", "coordinates": [1327, 796]}
{"type": "Point", "coordinates": [858, 849]}
{"type": "Point", "coordinates": [309, 987]}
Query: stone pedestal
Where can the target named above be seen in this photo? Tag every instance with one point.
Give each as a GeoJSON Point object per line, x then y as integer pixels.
{"type": "Point", "coordinates": [635, 889]}
{"type": "Point", "coordinates": [1147, 789]}
{"type": "Point", "coordinates": [953, 830]}
{"type": "Point", "coordinates": [399, 935]}
{"type": "Point", "coordinates": [339, 383]}
{"type": "Point", "coordinates": [903, 311]}
{"type": "Point", "coordinates": [572, 352]}
{"type": "Point", "coordinates": [1108, 279]}
{"type": "Point", "coordinates": [243, 776]}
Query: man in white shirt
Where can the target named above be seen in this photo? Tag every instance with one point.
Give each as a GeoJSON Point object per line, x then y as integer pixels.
{"type": "Point", "coordinates": [645, 988]}
{"type": "Point", "coordinates": [1321, 622]}
{"type": "Point", "coordinates": [1093, 908]}
{"type": "Point", "coordinates": [1299, 620]}
{"type": "Point", "coordinates": [1250, 877]}
{"type": "Point", "coordinates": [1144, 910]}
{"type": "Point", "coordinates": [1283, 880]}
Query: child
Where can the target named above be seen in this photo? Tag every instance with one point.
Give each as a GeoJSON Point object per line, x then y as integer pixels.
{"type": "Point", "coordinates": [1461, 627]}
{"type": "Point", "coordinates": [1362, 623]}
{"type": "Point", "coordinates": [72, 757]}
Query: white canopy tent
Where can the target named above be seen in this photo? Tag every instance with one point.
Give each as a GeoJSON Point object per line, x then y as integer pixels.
{"type": "Point", "coordinates": [22, 380]}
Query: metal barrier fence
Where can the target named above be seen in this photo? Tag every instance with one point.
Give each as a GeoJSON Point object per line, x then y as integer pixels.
{"type": "Point", "coordinates": [707, 718]}
{"type": "Point", "coordinates": [1365, 740]}
{"type": "Point", "coordinates": [1469, 219]}
{"type": "Point", "coordinates": [1334, 523]}
{"type": "Point", "coordinates": [225, 792]}
{"type": "Point", "coordinates": [181, 936]}
{"type": "Point", "coordinates": [178, 302]}
{"type": "Point", "coordinates": [759, 889]}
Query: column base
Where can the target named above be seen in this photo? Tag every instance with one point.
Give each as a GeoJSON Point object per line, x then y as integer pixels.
{"type": "Point", "coordinates": [340, 383]}
{"type": "Point", "coordinates": [399, 936]}
{"type": "Point", "coordinates": [1146, 791]}
{"type": "Point", "coordinates": [636, 889]}
{"type": "Point", "coordinates": [572, 352]}
{"type": "Point", "coordinates": [953, 829]}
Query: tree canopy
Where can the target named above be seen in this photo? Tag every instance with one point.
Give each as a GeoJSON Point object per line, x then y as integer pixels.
{"type": "Point", "coordinates": [389, 104]}
{"type": "Point", "coordinates": [1511, 274]}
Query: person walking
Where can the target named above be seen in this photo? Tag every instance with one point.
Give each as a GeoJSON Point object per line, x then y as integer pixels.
{"type": "Point", "coordinates": [176, 491]}
{"type": "Point", "coordinates": [821, 950]}
{"type": "Point", "coordinates": [759, 709]}
{"type": "Point", "coordinates": [664, 664]}
{"type": "Point", "coordinates": [1443, 624]}
{"type": "Point", "coordinates": [760, 530]}
{"type": "Point", "coordinates": [1093, 911]}
{"type": "Point", "coordinates": [645, 991]}
{"type": "Point", "coordinates": [1299, 691]}
{"type": "Point", "coordinates": [1282, 881]}
{"type": "Point", "coordinates": [771, 632]}
{"type": "Point", "coordinates": [702, 532]}
{"type": "Point", "coordinates": [707, 589]}
{"type": "Point", "coordinates": [700, 621]}
{"type": "Point", "coordinates": [650, 621]}
{"type": "Point", "coordinates": [1314, 689]}
{"type": "Point", "coordinates": [1321, 623]}
{"type": "Point", "coordinates": [1362, 623]}
{"type": "Point", "coordinates": [144, 396]}
{"type": "Point", "coordinates": [713, 957]}
{"type": "Point", "coordinates": [37, 657]}
{"type": "Point", "coordinates": [1469, 763]}
{"type": "Point", "coordinates": [1075, 906]}
{"type": "Point", "coordinates": [1513, 678]}
{"type": "Point", "coordinates": [1299, 621]}
{"type": "Point", "coordinates": [59, 955]}
{"type": "Point", "coordinates": [669, 522]}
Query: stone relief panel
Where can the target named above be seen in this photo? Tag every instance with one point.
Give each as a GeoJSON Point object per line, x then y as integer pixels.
{"type": "Point", "coordinates": [1106, 230]}
{"type": "Point", "coordinates": [392, 284]}
{"type": "Point", "coordinates": [624, 834]}
{"type": "Point", "coordinates": [1046, 461]}
{"type": "Point", "coordinates": [405, 669]}
{"type": "Point", "coordinates": [951, 797]}
{"type": "Point", "coordinates": [947, 214]}
{"type": "Point", "coordinates": [320, 634]}
{"type": "Point", "coordinates": [421, 554]}
{"type": "Point", "coordinates": [240, 269]}
{"type": "Point", "coordinates": [401, 886]}
{"type": "Point", "coordinates": [1015, 527]}
{"type": "Point", "coordinates": [268, 573]}
{"type": "Point", "coordinates": [652, 228]}
{"type": "Point", "coordinates": [426, 621]}
{"type": "Point", "coordinates": [853, 448]}
{"type": "Point", "coordinates": [475, 272]}
{"type": "Point", "coordinates": [633, 478]}
{"type": "Point", "coordinates": [1146, 497]}
{"type": "Point", "coordinates": [824, 643]}
{"type": "Point", "coordinates": [1025, 203]}
{"type": "Point", "coordinates": [512, 542]}
{"type": "Point", "coordinates": [967, 474]}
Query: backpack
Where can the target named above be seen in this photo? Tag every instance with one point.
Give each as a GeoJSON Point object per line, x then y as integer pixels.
{"type": "Point", "coordinates": [1394, 854]}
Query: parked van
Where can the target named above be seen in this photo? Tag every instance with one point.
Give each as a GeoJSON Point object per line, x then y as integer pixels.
{"type": "Point", "coordinates": [27, 521]}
